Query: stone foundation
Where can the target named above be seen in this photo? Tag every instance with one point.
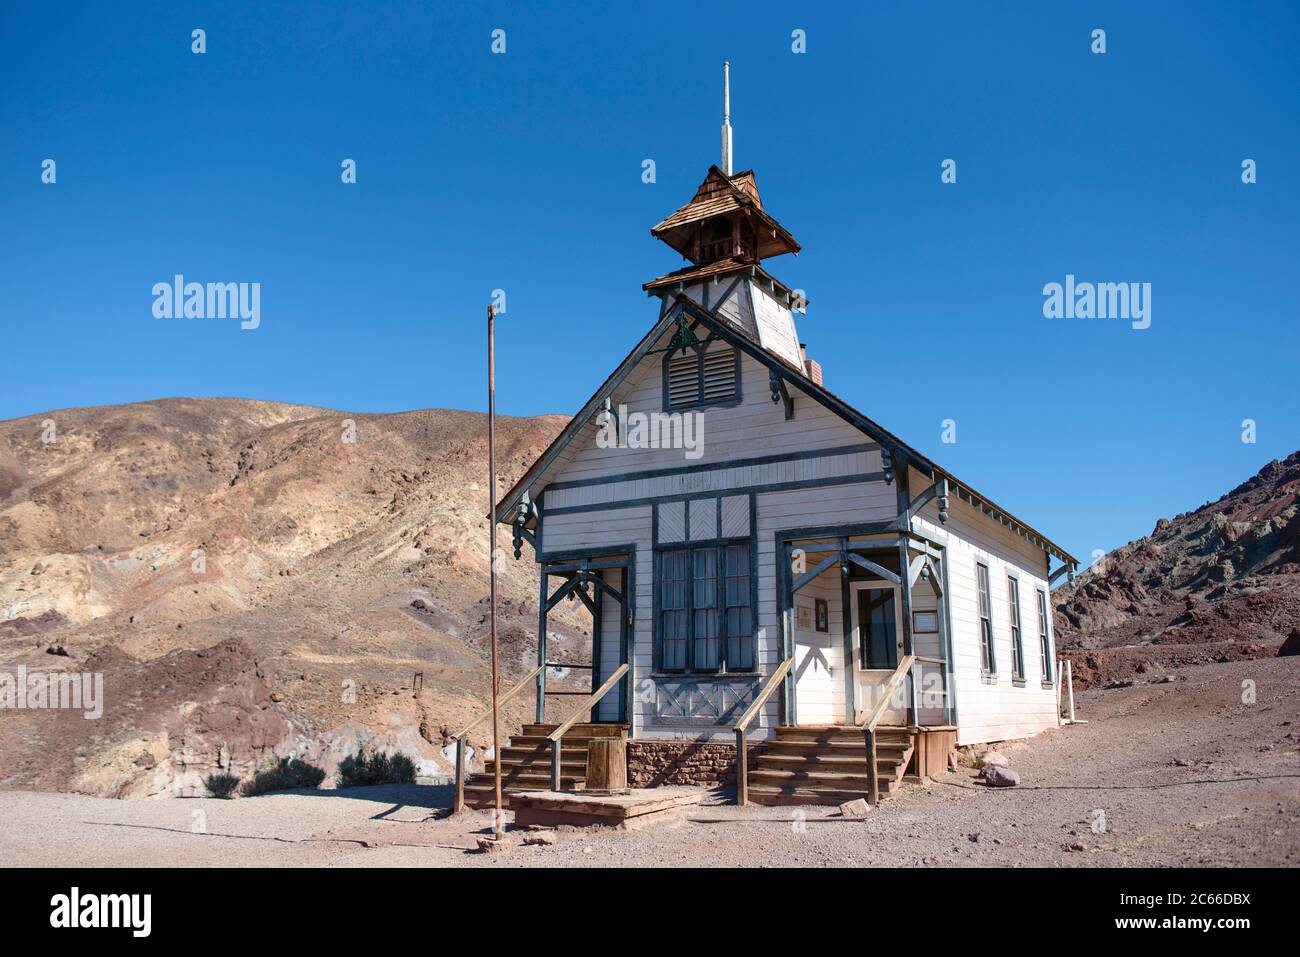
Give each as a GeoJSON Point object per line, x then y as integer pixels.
{"type": "Point", "coordinates": [655, 763]}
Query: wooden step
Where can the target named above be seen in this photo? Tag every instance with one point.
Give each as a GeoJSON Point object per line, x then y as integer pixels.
{"type": "Point", "coordinates": [578, 730]}
{"type": "Point", "coordinates": [530, 780]}
{"type": "Point", "coordinates": [801, 780]}
{"type": "Point", "coordinates": [763, 794]}
{"type": "Point", "coordinates": [837, 735]}
{"type": "Point", "coordinates": [567, 753]}
{"type": "Point", "coordinates": [833, 747]}
{"type": "Point", "coordinates": [826, 762]}
{"type": "Point", "coordinates": [542, 741]}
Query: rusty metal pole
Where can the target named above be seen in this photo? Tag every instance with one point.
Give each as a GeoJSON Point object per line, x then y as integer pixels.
{"type": "Point", "coordinates": [497, 829]}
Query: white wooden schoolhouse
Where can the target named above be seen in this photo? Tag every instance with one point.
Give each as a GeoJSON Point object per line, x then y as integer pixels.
{"type": "Point", "coordinates": [784, 593]}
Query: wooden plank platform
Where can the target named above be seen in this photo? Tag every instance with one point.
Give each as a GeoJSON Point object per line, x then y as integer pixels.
{"type": "Point", "coordinates": [638, 808]}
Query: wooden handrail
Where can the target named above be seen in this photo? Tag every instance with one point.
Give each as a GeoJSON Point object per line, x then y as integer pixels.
{"type": "Point", "coordinates": [458, 804]}
{"type": "Point", "coordinates": [587, 705]}
{"type": "Point", "coordinates": [590, 702]}
{"type": "Point", "coordinates": [742, 749]}
{"type": "Point", "coordinates": [869, 725]}
{"type": "Point", "coordinates": [769, 686]}
{"type": "Point", "coordinates": [887, 691]}
{"type": "Point", "coordinates": [523, 683]}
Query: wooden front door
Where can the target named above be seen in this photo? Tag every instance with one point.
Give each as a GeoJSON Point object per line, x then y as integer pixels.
{"type": "Point", "coordinates": [877, 642]}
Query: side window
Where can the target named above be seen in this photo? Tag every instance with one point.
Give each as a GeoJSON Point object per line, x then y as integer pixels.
{"type": "Point", "coordinates": [1044, 637]}
{"type": "Point", "coordinates": [988, 662]}
{"type": "Point", "coordinates": [1017, 642]}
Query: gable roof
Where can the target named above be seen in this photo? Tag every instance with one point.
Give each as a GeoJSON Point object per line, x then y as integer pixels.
{"type": "Point", "coordinates": [902, 453]}
{"type": "Point", "coordinates": [720, 194]}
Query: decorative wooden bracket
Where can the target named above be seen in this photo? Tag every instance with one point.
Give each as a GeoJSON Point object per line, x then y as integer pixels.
{"type": "Point", "coordinates": [1063, 570]}
{"type": "Point", "coordinates": [527, 510]}
{"type": "Point", "coordinates": [937, 491]}
{"type": "Point", "coordinates": [780, 393]}
{"type": "Point", "coordinates": [607, 409]}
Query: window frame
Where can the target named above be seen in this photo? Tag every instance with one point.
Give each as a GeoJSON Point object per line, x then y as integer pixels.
{"type": "Point", "coordinates": [984, 612]}
{"type": "Point", "coordinates": [727, 644]}
{"type": "Point", "coordinates": [1045, 639]}
{"type": "Point", "coordinates": [1015, 627]}
{"type": "Point", "coordinates": [701, 402]}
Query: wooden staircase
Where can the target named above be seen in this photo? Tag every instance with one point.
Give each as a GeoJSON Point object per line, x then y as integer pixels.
{"type": "Point", "coordinates": [526, 762]}
{"type": "Point", "coordinates": [826, 764]}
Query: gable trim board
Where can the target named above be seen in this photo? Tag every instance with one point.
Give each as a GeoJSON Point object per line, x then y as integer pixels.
{"type": "Point", "coordinates": [902, 453]}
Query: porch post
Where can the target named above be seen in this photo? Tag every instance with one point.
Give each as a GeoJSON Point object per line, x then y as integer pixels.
{"type": "Point", "coordinates": [597, 619]}
{"type": "Point", "coordinates": [945, 642]}
{"type": "Point", "coordinates": [785, 606]}
{"type": "Point", "coordinates": [846, 626]}
{"type": "Point", "coordinates": [541, 643]}
{"type": "Point", "coordinates": [905, 578]}
{"type": "Point", "coordinates": [625, 632]}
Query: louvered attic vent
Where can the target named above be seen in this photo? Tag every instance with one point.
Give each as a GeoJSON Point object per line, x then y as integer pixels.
{"type": "Point", "coordinates": [693, 379]}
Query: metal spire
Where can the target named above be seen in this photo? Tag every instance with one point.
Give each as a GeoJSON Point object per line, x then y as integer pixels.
{"type": "Point", "coordinates": [726, 117]}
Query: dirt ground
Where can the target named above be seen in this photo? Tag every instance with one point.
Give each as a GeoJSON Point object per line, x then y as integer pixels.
{"type": "Point", "coordinates": [1181, 773]}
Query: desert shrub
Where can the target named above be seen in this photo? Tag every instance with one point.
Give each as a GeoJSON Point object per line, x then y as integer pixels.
{"type": "Point", "coordinates": [376, 768]}
{"type": "Point", "coordinates": [287, 774]}
{"type": "Point", "coordinates": [221, 785]}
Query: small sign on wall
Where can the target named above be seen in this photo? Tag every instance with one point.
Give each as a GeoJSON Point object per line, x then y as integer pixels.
{"type": "Point", "coordinates": [925, 621]}
{"type": "Point", "coordinates": [821, 615]}
{"type": "Point", "coordinates": [803, 618]}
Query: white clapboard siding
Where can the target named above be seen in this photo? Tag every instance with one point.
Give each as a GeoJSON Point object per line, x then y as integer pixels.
{"type": "Point", "coordinates": [995, 709]}
{"type": "Point", "coordinates": [819, 656]}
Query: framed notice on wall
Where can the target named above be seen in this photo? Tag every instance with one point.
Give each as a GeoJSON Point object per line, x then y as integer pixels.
{"type": "Point", "coordinates": [821, 615]}
{"type": "Point", "coordinates": [924, 621]}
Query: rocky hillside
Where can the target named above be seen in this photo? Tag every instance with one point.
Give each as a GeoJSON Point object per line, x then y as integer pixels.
{"type": "Point", "coordinates": [252, 579]}
{"type": "Point", "coordinates": [1215, 584]}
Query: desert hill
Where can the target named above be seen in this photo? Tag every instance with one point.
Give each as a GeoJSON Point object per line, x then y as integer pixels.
{"type": "Point", "coordinates": [1218, 583]}
{"type": "Point", "coordinates": [252, 578]}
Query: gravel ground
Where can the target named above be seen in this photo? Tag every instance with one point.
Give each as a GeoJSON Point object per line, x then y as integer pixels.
{"type": "Point", "coordinates": [1179, 773]}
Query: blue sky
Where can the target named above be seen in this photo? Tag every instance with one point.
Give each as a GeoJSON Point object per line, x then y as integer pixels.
{"type": "Point", "coordinates": [522, 171]}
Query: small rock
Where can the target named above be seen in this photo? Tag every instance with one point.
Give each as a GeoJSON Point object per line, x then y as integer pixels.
{"type": "Point", "coordinates": [996, 777]}
{"type": "Point", "coordinates": [1182, 763]}
{"type": "Point", "coordinates": [488, 845]}
{"type": "Point", "coordinates": [973, 838]}
{"type": "Point", "coordinates": [540, 840]}
{"type": "Point", "coordinates": [277, 697]}
{"type": "Point", "coordinates": [1076, 846]}
{"type": "Point", "coordinates": [996, 759]}
{"type": "Point", "coordinates": [855, 809]}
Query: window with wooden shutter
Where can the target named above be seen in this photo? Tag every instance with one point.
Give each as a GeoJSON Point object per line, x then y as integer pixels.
{"type": "Point", "coordinates": [683, 379]}
{"type": "Point", "coordinates": [696, 378]}
{"type": "Point", "coordinates": [719, 375]}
